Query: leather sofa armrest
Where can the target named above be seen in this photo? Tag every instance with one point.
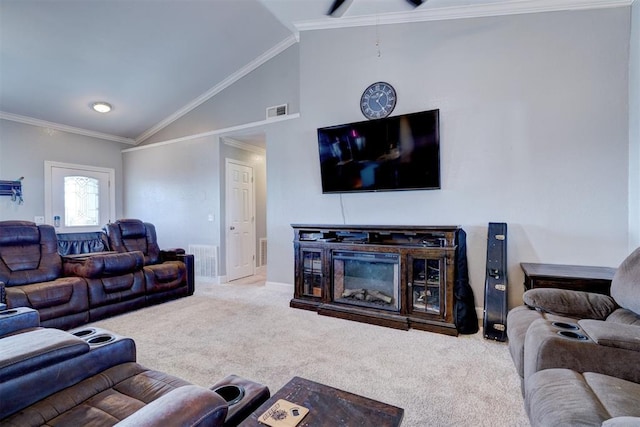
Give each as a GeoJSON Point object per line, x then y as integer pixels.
{"type": "Point", "coordinates": [564, 302]}
{"type": "Point", "coordinates": [185, 406]}
{"type": "Point", "coordinates": [612, 334]}
{"type": "Point", "coordinates": [171, 254]}
{"type": "Point", "coordinates": [17, 319]}
{"type": "Point", "coordinates": [96, 265]}
{"type": "Point", "coordinates": [189, 262]}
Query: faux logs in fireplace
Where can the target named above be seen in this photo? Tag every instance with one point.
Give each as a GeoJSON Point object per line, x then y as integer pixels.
{"type": "Point", "coordinates": [366, 279]}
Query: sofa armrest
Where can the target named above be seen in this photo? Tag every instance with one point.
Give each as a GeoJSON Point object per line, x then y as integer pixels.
{"type": "Point", "coordinates": [185, 406]}
{"type": "Point", "coordinates": [102, 264]}
{"type": "Point", "coordinates": [17, 319]}
{"type": "Point", "coordinates": [171, 254]}
{"type": "Point", "coordinates": [612, 334]}
{"type": "Point", "coordinates": [578, 304]}
{"type": "Point", "coordinates": [189, 262]}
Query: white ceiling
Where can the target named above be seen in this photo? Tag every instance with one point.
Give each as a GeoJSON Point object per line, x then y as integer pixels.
{"type": "Point", "coordinates": [155, 60]}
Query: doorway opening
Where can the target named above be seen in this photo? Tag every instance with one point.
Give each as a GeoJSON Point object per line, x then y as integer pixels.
{"type": "Point", "coordinates": [245, 197]}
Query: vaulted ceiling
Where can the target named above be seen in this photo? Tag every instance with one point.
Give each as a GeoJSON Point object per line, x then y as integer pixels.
{"type": "Point", "coordinates": [155, 60]}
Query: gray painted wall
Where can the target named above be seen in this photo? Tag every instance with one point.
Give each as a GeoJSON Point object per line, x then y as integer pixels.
{"type": "Point", "coordinates": [634, 128]}
{"type": "Point", "coordinates": [177, 185]}
{"type": "Point", "coordinates": [23, 151]}
{"type": "Point", "coordinates": [534, 132]}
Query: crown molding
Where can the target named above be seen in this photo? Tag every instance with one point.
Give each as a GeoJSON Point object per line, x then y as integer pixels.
{"type": "Point", "coordinates": [243, 145]}
{"type": "Point", "coordinates": [513, 7]}
{"type": "Point", "coordinates": [64, 128]}
{"type": "Point", "coordinates": [257, 62]}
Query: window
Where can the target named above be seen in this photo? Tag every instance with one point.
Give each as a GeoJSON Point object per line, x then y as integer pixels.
{"type": "Point", "coordinates": [81, 201]}
{"type": "Point", "coordinates": [78, 198]}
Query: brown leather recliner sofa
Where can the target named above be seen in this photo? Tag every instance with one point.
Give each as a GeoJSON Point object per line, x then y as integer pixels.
{"type": "Point", "coordinates": [578, 353]}
{"type": "Point", "coordinates": [72, 290]}
{"type": "Point", "coordinates": [89, 376]}
{"type": "Point", "coordinates": [165, 271]}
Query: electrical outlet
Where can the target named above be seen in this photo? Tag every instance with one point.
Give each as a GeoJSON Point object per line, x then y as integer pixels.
{"type": "Point", "coordinates": [210, 217]}
{"type": "Point", "coordinates": [38, 220]}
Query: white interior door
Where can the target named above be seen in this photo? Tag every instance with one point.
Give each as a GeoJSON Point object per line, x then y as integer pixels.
{"type": "Point", "coordinates": [78, 198]}
{"type": "Point", "coordinates": [240, 220]}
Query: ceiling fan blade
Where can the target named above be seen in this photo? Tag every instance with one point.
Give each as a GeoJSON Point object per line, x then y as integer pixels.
{"type": "Point", "coordinates": [339, 7]}
{"type": "Point", "coordinates": [416, 3]}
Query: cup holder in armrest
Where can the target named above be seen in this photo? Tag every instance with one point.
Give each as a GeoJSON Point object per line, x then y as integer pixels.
{"type": "Point", "coordinates": [573, 335]}
{"type": "Point", "coordinates": [81, 333]}
{"type": "Point", "coordinates": [100, 339]}
{"type": "Point", "coordinates": [565, 325]}
{"type": "Point", "coordinates": [231, 393]}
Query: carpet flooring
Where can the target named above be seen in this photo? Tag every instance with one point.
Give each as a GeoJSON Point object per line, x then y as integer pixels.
{"type": "Point", "coordinates": [248, 329]}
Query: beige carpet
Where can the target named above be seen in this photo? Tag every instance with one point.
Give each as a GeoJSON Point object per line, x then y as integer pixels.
{"type": "Point", "coordinates": [249, 330]}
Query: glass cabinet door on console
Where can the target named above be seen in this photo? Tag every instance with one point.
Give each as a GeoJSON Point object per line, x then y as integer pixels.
{"type": "Point", "coordinates": [311, 272]}
{"type": "Point", "coordinates": [426, 285]}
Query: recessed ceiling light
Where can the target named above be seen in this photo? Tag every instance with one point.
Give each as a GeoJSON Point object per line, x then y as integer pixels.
{"type": "Point", "coordinates": [101, 107]}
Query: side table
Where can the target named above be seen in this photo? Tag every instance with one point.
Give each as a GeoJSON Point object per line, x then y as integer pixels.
{"type": "Point", "coordinates": [573, 277]}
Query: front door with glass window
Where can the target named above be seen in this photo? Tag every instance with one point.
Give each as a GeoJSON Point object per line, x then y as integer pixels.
{"type": "Point", "coordinates": [80, 197]}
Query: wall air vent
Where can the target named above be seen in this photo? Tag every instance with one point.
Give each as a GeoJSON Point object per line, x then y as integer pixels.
{"type": "Point", "coordinates": [263, 252]}
{"type": "Point", "coordinates": [206, 261]}
{"type": "Point", "coordinates": [276, 111]}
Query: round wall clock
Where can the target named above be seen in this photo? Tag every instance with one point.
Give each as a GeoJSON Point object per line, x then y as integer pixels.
{"type": "Point", "coordinates": [378, 100]}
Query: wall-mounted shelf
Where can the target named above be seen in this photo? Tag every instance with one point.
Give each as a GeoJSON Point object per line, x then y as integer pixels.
{"type": "Point", "coordinates": [12, 189]}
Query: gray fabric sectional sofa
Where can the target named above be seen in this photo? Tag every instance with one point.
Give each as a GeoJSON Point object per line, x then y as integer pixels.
{"type": "Point", "coordinates": [578, 353]}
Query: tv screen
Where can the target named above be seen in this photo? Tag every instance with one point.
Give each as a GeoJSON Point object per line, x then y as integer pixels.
{"type": "Point", "coordinates": [394, 153]}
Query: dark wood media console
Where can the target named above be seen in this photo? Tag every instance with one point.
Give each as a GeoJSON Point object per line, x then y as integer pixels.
{"type": "Point", "coordinates": [395, 276]}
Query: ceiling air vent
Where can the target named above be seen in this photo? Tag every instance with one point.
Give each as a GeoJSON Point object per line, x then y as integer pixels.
{"type": "Point", "coordinates": [276, 110]}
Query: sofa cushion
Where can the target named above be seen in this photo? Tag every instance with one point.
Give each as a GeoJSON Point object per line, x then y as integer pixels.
{"type": "Point", "coordinates": [61, 303]}
{"type": "Point", "coordinates": [104, 264]}
{"type": "Point", "coordinates": [622, 422]}
{"type": "Point", "coordinates": [561, 397]}
{"type": "Point", "coordinates": [24, 353]}
{"type": "Point", "coordinates": [165, 276]}
{"type": "Point", "coordinates": [577, 304]}
{"type": "Point", "coordinates": [558, 397]}
{"type": "Point", "coordinates": [624, 316]}
{"type": "Point", "coordinates": [19, 233]}
{"type": "Point", "coordinates": [28, 253]}
{"type": "Point", "coordinates": [625, 286]}
{"type": "Point", "coordinates": [111, 290]}
{"type": "Point", "coordinates": [103, 399]}
{"type": "Point", "coordinates": [617, 396]}
{"type": "Point", "coordinates": [126, 235]}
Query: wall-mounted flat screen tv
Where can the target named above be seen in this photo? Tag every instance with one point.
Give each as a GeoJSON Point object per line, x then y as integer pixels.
{"type": "Point", "coordinates": [394, 153]}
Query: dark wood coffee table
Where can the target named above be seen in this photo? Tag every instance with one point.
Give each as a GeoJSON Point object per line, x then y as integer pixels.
{"type": "Point", "coordinates": [330, 407]}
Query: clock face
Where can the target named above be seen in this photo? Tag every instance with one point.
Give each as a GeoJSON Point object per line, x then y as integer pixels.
{"type": "Point", "coordinates": [378, 100]}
